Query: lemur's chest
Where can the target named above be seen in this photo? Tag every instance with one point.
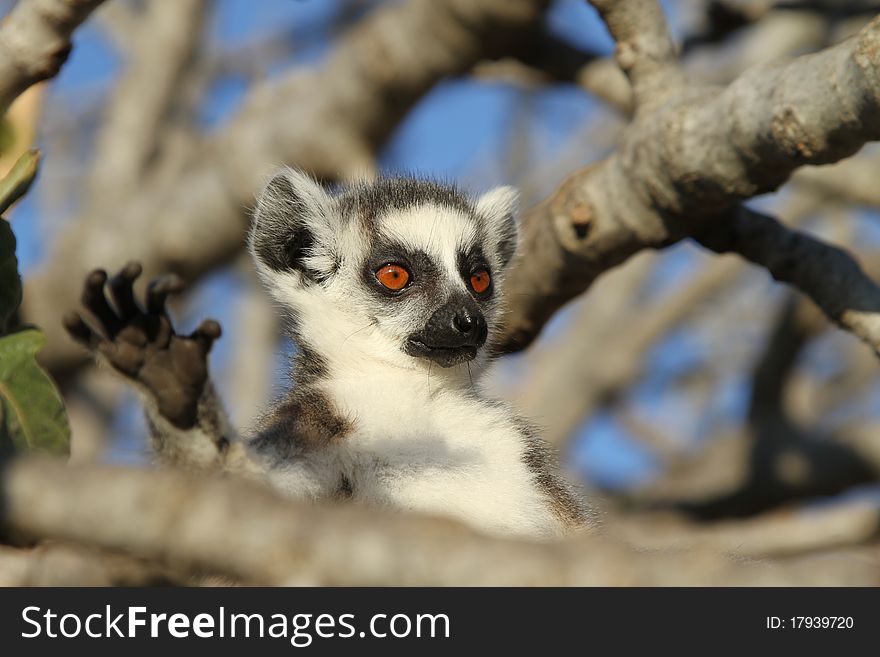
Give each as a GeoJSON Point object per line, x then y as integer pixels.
{"type": "Point", "coordinates": [413, 448]}
{"type": "Point", "coordinates": [448, 453]}
{"type": "Point", "coordinates": [417, 429]}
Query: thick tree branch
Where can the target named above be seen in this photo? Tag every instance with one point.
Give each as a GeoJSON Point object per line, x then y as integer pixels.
{"type": "Point", "coordinates": [231, 528]}
{"type": "Point", "coordinates": [53, 564]}
{"type": "Point", "coordinates": [682, 164]}
{"type": "Point", "coordinates": [35, 42]}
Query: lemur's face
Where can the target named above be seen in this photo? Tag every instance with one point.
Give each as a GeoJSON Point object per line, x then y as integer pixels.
{"type": "Point", "coordinates": [409, 270]}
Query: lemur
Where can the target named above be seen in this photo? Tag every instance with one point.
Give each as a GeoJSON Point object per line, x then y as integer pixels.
{"type": "Point", "coordinates": [392, 292]}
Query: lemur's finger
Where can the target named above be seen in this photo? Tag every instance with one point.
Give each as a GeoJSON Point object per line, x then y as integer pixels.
{"type": "Point", "coordinates": [158, 291]}
{"type": "Point", "coordinates": [79, 330]}
{"type": "Point", "coordinates": [94, 300]}
{"type": "Point", "coordinates": [122, 290]}
{"type": "Point", "coordinates": [162, 331]}
{"type": "Point", "coordinates": [207, 332]}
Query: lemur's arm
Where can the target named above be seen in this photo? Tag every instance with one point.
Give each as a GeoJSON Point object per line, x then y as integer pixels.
{"type": "Point", "coordinates": [187, 422]}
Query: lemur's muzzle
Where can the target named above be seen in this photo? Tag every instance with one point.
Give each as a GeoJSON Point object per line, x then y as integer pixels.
{"type": "Point", "coordinates": [452, 335]}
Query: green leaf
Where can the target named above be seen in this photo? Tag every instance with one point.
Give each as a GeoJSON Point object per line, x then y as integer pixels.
{"type": "Point", "coordinates": [33, 415]}
{"type": "Point", "coordinates": [18, 181]}
{"type": "Point", "coordinates": [10, 281]}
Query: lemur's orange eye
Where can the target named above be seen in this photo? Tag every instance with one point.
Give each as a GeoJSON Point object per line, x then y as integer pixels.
{"type": "Point", "coordinates": [480, 281]}
{"type": "Point", "coordinates": [394, 277]}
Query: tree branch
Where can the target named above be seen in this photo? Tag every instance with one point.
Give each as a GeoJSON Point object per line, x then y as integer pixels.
{"type": "Point", "coordinates": [542, 57]}
{"type": "Point", "coordinates": [682, 164]}
{"type": "Point", "coordinates": [229, 527]}
{"type": "Point", "coordinates": [52, 564]}
{"type": "Point", "coordinates": [776, 533]}
{"type": "Point", "coordinates": [35, 42]}
{"type": "Point", "coordinates": [143, 97]}
{"type": "Point", "coordinates": [645, 50]}
{"type": "Point", "coordinates": [828, 275]}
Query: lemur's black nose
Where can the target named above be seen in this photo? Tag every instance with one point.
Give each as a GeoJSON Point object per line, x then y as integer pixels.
{"type": "Point", "coordinates": [452, 335]}
{"type": "Point", "coordinates": [470, 325]}
{"type": "Point", "coordinates": [463, 321]}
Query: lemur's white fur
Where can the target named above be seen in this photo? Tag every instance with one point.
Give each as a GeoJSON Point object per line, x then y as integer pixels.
{"type": "Point", "coordinates": [421, 437]}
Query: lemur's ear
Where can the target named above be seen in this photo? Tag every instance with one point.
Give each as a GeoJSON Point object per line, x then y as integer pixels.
{"type": "Point", "coordinates": [499, 208]}
{"type": "Point", "coordinates": [292, 224]}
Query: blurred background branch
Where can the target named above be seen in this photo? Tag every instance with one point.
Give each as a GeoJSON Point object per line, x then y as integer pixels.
{"type": "Point", "coordinates": [35, 42]}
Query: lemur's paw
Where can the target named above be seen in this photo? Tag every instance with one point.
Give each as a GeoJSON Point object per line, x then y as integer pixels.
{"type": "Point", "coordinates": [142, 344]}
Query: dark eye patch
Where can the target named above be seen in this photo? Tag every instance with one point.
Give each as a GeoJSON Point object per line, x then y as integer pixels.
{"type": "Point", "coordinates": [470, 261]}
{"type": "Point", "coordinates": [424, 272]}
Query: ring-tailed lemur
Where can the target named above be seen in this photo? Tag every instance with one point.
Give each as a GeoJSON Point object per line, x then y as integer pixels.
{"type": "Point", "coordinates": [391, 291]}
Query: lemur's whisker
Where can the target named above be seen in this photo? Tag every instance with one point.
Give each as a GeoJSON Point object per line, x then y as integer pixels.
{"type": "Point", "coordinates": [363, 328]}
{"type": "Point", "coordinates": [433, 226]}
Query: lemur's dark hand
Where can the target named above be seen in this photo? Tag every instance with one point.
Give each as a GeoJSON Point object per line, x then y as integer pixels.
{"type": "Point", "coordinates": [142, 345]}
